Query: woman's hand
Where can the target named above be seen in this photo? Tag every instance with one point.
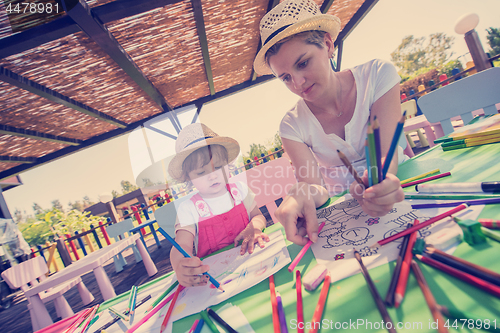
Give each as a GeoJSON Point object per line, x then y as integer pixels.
{"type": "Point", "coordinates": [251, 235]}
{"type": "Point", "coordinates": [379, 199]}
{"type": "Point", "coordinates": [190, 271]}
{"type": "Point", "coordinates": [297, 212]}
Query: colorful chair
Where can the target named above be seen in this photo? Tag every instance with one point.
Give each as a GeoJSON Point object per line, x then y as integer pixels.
{"type": "Point", "coordinates": [416, 123]}
{"type": "Point", "coordinates": [116, 231]}
{"type": "Point", "coordinates": [31, 272]}
{"type": "Point", "coordinates": [463, 98]}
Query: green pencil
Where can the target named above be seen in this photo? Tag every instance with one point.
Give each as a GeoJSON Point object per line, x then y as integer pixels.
{"type": "Point", "coordinates": [209, 322]}
{"type": "Point", "coordinates": [162, 296]}
{"type": "Point", "coordinates": [373, 154]}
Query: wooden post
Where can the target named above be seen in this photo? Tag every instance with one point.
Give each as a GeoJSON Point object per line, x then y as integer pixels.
{"type": "Point", "coordinates": [104, 233]}
{"type": "Point", "coordinates": [63, 252]}
{"type": "Point", "coordinates": [96, 237]}
{"type": "Point", "coordinates": [87, 240]}
{"type": "Point", "coordinates": [51, 260]}
{"type": "Point", "coordinates": [73, 247]}
{"type": "Point", "coordinates": [80, 242]}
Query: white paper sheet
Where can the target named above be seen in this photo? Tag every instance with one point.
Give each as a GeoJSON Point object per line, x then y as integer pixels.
{"type": "Point", "coordinates": [348, 227]}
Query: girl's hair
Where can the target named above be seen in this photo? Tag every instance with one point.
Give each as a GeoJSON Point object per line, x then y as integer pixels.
{"type": "Point", "coordinates": [314, 37]}
{"type": "Point", "coordinates": [201, 157]}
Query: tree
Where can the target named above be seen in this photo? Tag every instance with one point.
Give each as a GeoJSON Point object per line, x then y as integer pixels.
{"type": "Point", "coordinates": [57, 204]}
{"type": "Point", "coordinates": [128, 187]}
{"type": "Point", "coordinates": [494, 41]}
{"type": "Point", "coordinates": [414, 54]}
{"type": "Point", "coordinates": [77, 205]}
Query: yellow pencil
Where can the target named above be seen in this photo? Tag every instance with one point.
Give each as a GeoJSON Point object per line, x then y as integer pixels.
{"type": "Point", "coordinates": [426, 174]}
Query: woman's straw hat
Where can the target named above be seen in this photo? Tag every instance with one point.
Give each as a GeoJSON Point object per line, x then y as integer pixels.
{"type": "Point", "coordinates": [289, 18]}
{"type": "Point", "coordinates": [196, 136]}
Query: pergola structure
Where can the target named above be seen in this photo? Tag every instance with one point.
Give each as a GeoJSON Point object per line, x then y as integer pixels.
{"type": "Point", "coordinates": [101, 68]}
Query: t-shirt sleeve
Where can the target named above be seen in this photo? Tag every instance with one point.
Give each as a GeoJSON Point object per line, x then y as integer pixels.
{"type": "Point", "coordinates": [386, 77]}
{"type": "Point", "coordinates": [289, 128]}
{"type": "Point", "coordinates": [186, 218]}
{"type": "Point", "coordinates": [248, 197]}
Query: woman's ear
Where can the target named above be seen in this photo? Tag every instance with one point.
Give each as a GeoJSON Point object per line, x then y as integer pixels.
{"type": "Point", "coordinates": [329, 43]}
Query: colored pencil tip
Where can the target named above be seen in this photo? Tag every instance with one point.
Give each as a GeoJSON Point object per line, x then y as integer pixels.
{"type": "Point", "coordinates": [373, 246]}
{"type": "Point", "coordinates": [397, 300]}
{"type": "Point", "coordinates": [220, 288]}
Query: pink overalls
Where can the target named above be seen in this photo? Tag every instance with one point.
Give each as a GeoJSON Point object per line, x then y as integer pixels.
{"type": "Point", "coordinates": [218, 231]}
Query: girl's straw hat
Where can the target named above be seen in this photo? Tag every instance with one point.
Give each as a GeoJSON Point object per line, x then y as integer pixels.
{"type": "Point", "coordinates": [289, 18]}
{"type": "Point", "coordinates": [196, 136]}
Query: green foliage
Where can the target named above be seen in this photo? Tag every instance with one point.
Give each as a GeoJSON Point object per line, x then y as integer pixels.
{"type": "Point", "coordinates": [449, 66]}
{"type": "Point", "coordinates": [258, 149]}
{"type": "Point", "coordinates": [413, 54]}
{"type": "Point", "coordinates": [493, 41]}
{"type": "Point", "coordinates": [34, 232]}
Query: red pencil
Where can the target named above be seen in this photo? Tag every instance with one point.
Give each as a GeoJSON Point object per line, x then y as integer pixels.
{"type": "Point", "coordinates": [475, 281]}
{"type": "Point", "coordinates": [274, 304]}
{"type": "Point", "coordinates": [318, 312]}
{"type": "Point", "coordinates": [300, 307]}
{"type": "Point", "coordinates": [170, 309]}
{"type": "Point", "coordinates": [303, 250]}
{"type": "Point", "coordinates": [423, 180]}
{"type": "Point", "coordinates": [405, 269]}
{"type": "Point", "coordinates": [420, 226]}
{"type": "Point", "coordinates": [490, 223]}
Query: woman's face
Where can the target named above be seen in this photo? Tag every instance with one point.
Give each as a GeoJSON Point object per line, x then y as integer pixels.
{"type": "Point", "coordinates": [304, 68]}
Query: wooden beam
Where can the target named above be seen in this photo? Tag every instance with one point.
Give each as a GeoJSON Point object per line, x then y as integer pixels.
{"type": "Point", "coordinates": [42, 91]}
{"type": "Point", "coordinates": [202, 36]}
{"type": "Point", "coordinates": [10, 130]}
{"type": "Point", "coordinates": [17, 159]}
{"type": "Point", "coordinates": [90, 23]}
{"type": "Point", "coordinates": [325, 6]}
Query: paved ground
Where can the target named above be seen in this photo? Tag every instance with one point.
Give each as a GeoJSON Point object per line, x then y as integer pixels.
{"type": "Point", "coordinates": [16, 319]}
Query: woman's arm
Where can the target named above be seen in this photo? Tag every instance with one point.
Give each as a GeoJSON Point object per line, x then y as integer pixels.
{"type": "Point", "coordinates": [379, 199]}
{"type": "Point", "coordinates": [297, 212]}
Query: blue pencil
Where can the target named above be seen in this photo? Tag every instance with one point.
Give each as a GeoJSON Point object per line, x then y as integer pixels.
{"type": "Point", "coordinates": [185, 254]}
{"type": "Point", "coordinates": [378, 149]}
{"type": "Point", "coordinates": [134, 299]}
{"type": "Point", "coordinates": [199, 326]}
{"type": "Point", "coordinates": [394, 144]}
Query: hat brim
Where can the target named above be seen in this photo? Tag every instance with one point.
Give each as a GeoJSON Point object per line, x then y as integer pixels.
{"type": "Point", "coordinates": [323, 22]}
{"type": "Point", "coordinates": [175, 165]}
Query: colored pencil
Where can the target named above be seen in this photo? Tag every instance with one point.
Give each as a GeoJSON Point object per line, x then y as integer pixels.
{"type": "Point", "coordinates": [494, 139]}
{"type": "Point", "coordinates": [491, 234]}
{"type": "Point", "coordinates": [162, 296]}
{"type": "Point", "coordinates": [420, 226]}
{"type": "Point", "coordinates": [394, 144]}
{"type": "Point", "coordinates": [221, 321]}
{"type": "Point", "coordinates": [300, 307]}
{"type": "Point", "coordinates": [274, 305]}
{"type": "Point", "coordinates": [425, 174]}
{"type": "Point", "coordinates": [470, 279]}
{"type": "Point", "coordinates": [130, 295]}
{"type": "Point", "coordinates": [423, 180]}
{"type": "Point", "coordinates": [281, 313]}
{"type": "Point", "coordinates": [118, 314]}
{"type": "Point", "coordinates": [185, 254]}
{"type": "Point", "coordinates": [405, 269]}
{"type": "Point", "coordinates": [318, 312]}
{"type": "Point", "coordinates": [134, 299]}
{"type": "Point", "coordinates": [170, 309]}
{"type": "Point", "coordinates": [453, 313]}
{"type": "Point", "coordinates": [80, 320]}
{"type": "Point", "coordinates": [429, 298]}
{"type": "Point", "coordinates": [193, 327]}
{"type": "Point", "coordinates": [463, 265]}
{"type": "Point", "coordinates": [349, 167]}
{"type": "Point", "coordinates": [378, 149]}
{"type": "Point", "coordinates": [90, 319]}
{"type": "Point", "coordinates": [488, 201]}
{"type": "Point", "coordinates": [373, 155]}
{"type": "Point", "coordinates": [376, 296]}
{"type": "Point", "coordinates": [199, 326]}
{"type": "Point", "coordinates": [114, 320]}
{"type": "Point", "coordinates": [423, 196]}
{"type": "Point", "coordinates": [389, 298]}
{"type": "Point", "coordinates": [150, 314]}
{"type": "Point", "coordinates": [368, 168]}
{"type": "Point", "coordinates": [303, 251]}
{"type": "Point", "coordinates": [490, 223]}
{"type": "Point", "coordinates": [209, 322]}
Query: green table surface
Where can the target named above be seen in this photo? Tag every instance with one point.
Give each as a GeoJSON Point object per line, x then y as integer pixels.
{"type": "Point", "coordinates": [349, 300]}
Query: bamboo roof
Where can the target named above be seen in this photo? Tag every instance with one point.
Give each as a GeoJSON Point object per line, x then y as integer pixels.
{"type": "Point", "coordinates": [98, 69]}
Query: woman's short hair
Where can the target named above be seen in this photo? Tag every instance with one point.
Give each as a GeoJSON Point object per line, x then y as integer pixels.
{"type": "Point", "coordinates": [314, 37]}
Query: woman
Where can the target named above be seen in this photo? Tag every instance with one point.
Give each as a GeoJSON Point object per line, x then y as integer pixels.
{"type": "Point", "coordinates": [333, 113]}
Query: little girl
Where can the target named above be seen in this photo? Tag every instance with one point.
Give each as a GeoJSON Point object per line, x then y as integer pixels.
{"type": "Point", "coordinates": [220, 213]}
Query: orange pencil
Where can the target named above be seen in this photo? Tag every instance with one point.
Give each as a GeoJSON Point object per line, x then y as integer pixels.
{"type": "Point", "coordinates": [318, 312]}
{"type": "Point", "coordinates": [300, 307]}
{"type": "Point", "coordinates": [170, 309]}
{"type": "Point", "coordinates": [405, 269]}
{"type": "Point", "coordinates": [274, 304]}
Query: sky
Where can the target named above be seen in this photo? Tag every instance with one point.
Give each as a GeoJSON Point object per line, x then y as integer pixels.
{"type": "Point", "coordinates": [253, 115]}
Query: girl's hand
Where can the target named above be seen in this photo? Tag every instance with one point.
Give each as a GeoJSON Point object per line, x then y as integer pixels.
{"type": "Point", "coordinates": [190, 271]}
{"type": "Point", "coordinates": [250, 235]}
{"type": "Point", "coordinates": [379, 199]}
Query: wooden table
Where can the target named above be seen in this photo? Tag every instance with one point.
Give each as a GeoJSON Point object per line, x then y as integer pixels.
{"type": "Point", "coordinates": [92, 262]}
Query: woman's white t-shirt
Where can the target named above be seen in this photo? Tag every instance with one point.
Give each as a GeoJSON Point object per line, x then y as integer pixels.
{"type": "Point", "coordinates": [373, 79]}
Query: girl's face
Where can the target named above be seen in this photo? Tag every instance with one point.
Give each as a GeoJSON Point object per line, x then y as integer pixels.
{"type": "Point", "coordinates": [304, 68]}
{"type": "Point", "coordinates": [209, 178]}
